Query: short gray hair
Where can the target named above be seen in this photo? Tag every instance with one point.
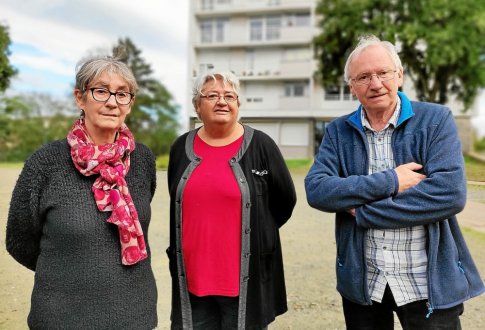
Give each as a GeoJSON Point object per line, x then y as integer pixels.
{"type": "Point", "coordinates": [228, 78]}
{"type": "Point", "coordinates": [91, 68]}
{"type": "Point", "coordinates": [371, 40]}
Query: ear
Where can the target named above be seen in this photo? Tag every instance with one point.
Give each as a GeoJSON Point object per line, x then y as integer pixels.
{"type": "Point", "coordinates": [131, 105]}
{"type": "Point", "coordinates": [352, 90]}
{"type": "Point", "coordinates": [400, 77]}
{"type": "Point", "coordinates": [79, 98]}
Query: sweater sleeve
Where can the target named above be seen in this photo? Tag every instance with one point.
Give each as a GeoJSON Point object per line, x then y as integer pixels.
{"type": "Point", "coordinates": [282, 194]}
{"type": "Point", "coordinates": [440, 196]}
{"type": "Point", "coordinates": [150, 166]}
{"type": "Point", "coordinates": [329, 185]}
{"type": "Point", "coordinates": [24, 224]}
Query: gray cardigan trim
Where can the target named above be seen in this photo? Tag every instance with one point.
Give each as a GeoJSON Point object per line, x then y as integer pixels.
{"type": "Point", "coordinates": [245, 227]}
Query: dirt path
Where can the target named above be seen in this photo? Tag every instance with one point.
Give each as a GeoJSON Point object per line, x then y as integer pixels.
{"type": "Point", "coordinates": [309, 252]}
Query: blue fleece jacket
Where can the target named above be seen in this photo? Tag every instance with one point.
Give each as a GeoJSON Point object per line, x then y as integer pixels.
{"type": "Point", "coordinates": [339, 181]}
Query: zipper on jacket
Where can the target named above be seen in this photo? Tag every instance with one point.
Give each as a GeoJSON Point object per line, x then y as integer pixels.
{"type": "Point", "coordinates": [430, 310]}
{"type": "Point", "coordinates": [461, 267]}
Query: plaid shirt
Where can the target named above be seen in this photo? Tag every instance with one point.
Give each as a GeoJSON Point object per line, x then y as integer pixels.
{"type": "Point", "coordinates": [394, 256]}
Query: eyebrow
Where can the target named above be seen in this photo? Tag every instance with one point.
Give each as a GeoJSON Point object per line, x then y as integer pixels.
{"type": "Point", "coordinates": [215, 92]}
{"type": "Point", "coordinates": [380, 70]}
{"type": "Point", "coordinates": [105, 84]}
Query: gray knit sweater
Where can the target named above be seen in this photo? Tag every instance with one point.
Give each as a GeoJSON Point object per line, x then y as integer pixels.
{"type": "Point", "coordinates": [55, 229]}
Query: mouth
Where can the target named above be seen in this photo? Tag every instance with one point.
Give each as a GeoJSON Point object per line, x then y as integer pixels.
{"type": "Point", "coordinates": [110, 115]}
{"type": "Point", "coordinates": [377, 96]}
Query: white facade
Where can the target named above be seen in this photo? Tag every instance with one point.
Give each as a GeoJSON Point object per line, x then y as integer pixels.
{"type": "Point", "coordinates": [268, 45]}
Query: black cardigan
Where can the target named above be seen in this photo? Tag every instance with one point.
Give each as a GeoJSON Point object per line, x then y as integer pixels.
{"type": "Point", "coordinates": [268, 199]}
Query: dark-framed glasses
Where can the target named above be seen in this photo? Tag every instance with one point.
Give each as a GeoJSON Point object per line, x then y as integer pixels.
{"type": "Point", "coordinates": [103, 95]}
{"type": "Point", "coordinates": [365, 78]}
{"type": "Point", "coordinates": [214, 97]}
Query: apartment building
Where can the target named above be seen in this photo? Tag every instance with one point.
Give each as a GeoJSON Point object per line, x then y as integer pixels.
{"type": "Point", "coordinates": [268, 45]}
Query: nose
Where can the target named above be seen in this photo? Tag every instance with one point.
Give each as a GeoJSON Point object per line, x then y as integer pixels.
{"type": "Point", "coordinates": [221, 99]}
{"type": "Point", "coordinates": [112, 100]}
{"type": "Point", "coordinates": [375, 83]}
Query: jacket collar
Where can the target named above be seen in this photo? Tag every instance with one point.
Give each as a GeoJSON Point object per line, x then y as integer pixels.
{"type": "Point", "coordinates": [406, 112]}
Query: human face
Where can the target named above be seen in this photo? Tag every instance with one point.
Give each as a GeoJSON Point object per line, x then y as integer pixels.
{"type": "Point", "coordinates": [378, 96]}
{"type": "Point", "coordinates": [103, 119]}
{"type": "Point", "coordinates": [219, 112]}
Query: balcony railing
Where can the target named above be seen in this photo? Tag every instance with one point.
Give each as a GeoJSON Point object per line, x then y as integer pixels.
{"type": "Point", "coordinates": [235, 37]}
{"type": "Point", "coordinates": [207, 8]}
{"type": "Point", "coordinates": [267, 70]}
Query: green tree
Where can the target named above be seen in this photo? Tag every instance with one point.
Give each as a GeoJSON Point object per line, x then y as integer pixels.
{"type": "Point", "coordinates": [6, 70]}
{"type": "Point", "coordinates": [28, 121]}
{"type": "Point", "coordinates": [441, 42]}
{"type": "Point", "coordinates": [153, 118]}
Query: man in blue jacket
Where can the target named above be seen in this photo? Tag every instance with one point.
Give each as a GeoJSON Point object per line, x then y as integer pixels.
{"type": "Point", "coordinates": [393, 173]}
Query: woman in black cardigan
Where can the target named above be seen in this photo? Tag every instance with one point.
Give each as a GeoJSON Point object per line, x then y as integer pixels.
{"type": "Point", "coordinates": [230, 193]}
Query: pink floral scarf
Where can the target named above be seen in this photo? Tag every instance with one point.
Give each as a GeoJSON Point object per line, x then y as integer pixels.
{"type": "Point", "coordinates": [112, 162]}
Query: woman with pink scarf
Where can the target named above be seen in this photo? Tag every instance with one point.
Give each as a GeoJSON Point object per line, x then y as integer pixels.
{"type": "Point", "coordinates": [80, 212]}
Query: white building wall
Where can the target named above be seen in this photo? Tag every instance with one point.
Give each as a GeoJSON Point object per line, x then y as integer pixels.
{"type": "Point", "coordinates": [278, 92]}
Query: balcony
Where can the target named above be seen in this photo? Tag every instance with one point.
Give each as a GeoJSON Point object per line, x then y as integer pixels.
{"type": "Point", "coordinates": [268, 106]}
{"type": "Point", "coordinates": [238, 37]}
{"type": "Point", "coordinates": [245, 7]}
{"type": "Point", "coordinates": [267, 70]}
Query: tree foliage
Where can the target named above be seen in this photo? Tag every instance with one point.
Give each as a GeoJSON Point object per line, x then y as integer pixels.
{"type": "Point", "coordinates": [6, 70]}
{"type": "Point", "coordinates": [28, 121]}
{"type": "Point", "coordinates": [440, 42]}
{"type": "Point", "coordinates": [153, 118]}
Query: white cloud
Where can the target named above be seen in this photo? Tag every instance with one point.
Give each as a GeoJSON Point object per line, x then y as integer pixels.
{"type": "Point", "coordinates": [61, 32]}
{"type": "Point", "coordinates": [43, 63]}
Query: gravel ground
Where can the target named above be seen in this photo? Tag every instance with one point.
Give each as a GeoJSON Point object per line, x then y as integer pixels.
{"type": "Point", "coordinates": [309, 252]}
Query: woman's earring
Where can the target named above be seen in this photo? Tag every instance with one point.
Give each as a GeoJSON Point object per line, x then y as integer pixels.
{"type": "Point", "coordinates": [82, 114]}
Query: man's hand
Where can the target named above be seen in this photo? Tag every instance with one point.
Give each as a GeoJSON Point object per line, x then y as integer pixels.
{"type": "Point", "coordinates": [407, 176]}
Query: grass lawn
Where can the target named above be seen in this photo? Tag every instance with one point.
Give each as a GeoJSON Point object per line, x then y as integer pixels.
{"type": "Point", "coordinates": [11, 165]}
{"type": "Point", "coordinates": [475, 169]}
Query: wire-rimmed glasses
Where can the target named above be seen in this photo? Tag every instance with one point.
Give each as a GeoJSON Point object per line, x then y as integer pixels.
{"type": "Point", "coordinates": [365, 78]}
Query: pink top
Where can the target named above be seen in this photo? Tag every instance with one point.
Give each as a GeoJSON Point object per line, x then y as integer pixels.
{"type": "Point", "coordinates": [211, 223]}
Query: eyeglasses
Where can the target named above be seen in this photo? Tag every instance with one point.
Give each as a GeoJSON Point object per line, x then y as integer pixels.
{"type": "Point", "coordinates": [365, 78]}
{"type": "Point", "coordinates": [103, 95]}
{"type": "Point", "coordinates": [213, 97]}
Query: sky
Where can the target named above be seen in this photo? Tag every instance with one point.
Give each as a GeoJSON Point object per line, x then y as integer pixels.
{"type": "Point", "coordinates": [49, 37]}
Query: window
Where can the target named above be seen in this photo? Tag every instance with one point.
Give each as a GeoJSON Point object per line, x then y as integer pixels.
{"type": "Point", "coordinates": [332, 93]}
{"type": "Point", "coordinates": [206, 31]}
{"type": "Point", "coordinates": [213, 30]}
{"type": "Point", "coordinates": [338, 93]}
{"type": "Point", "coordinates": [268, 27]}
{"type": "Point", "coordinates": [296, 89]}
{"type": "Point", "coordinates": [256, 29]}
{"type": "Point", "coordinates": [302, 19]}
{"type": "Point", "coordinates": [348, 94]}
{"type": "Point", "coordinates": [220, 23]}
{"type": "Point", "coordinates": [207, 4]}
{"type": "Point", "coordinates": [273, 27]}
